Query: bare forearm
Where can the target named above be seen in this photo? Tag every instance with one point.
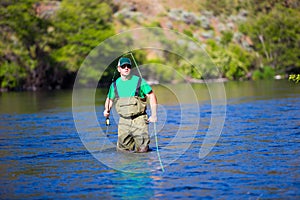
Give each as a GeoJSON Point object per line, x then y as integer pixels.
{"type": "Point", "coordinates": [107, 106]}
{"type": "Point", "coordinates": [153, 104]}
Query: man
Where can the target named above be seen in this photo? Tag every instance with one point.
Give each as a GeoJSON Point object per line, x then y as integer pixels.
{"type": "Point", "coordinates": [130, 93]}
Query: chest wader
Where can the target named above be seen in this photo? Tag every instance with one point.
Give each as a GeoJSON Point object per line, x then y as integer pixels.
{"type": "Point", "coordinates": [130, 107]}
{"type": "Point", "coordinates": [132, 128]}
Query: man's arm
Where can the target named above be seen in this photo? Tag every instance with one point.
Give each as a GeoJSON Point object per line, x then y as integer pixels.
{"type": "Point", "coordinates": [107, 106]}
{"type": "Point", "coordinates": [153, 105]}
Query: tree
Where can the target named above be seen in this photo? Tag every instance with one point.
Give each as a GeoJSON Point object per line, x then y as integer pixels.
{"type": "Point", "coordinates": [234, 62]}
{"type": "Point", "coordinates": [79, 26]}
{"type": "Point", "coordinates": [276, 37]}
{"type": "Point", "coordinates": [21, 43]}
{"type": "Point", "coordinates": [40, 50]}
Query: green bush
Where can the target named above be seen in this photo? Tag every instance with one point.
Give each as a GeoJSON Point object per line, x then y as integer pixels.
{"type": "Point", "coordinates": [11, 75]}
{"type": "Point", "coordinates": [226, 38]}
{"type": "Point", "coordinates": [188, 33]}
{"type": "Point", "coordinates": [257, 75]}
{"type": "Point", "coordinates": [264, 73]}
{"type": "Point", "coordinates": [269, 73]}
{"type": "Point", "coordinates": [154, 24]}
{"type": "Point", "coordinates": [295, 78]}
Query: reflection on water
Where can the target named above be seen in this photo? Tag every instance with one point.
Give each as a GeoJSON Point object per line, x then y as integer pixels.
{"type": "Point", "coordinates": [257, 155]}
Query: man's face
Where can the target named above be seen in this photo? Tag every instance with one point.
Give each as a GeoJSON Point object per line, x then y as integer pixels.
{"type": "Point", "coordinates": [124, 69]}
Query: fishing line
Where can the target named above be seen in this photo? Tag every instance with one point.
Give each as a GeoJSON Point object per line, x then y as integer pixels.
{"type": "Point", "coordinates": [155, 132]}
{"type": "Point", "coordinates": [107, 123]}
{"type": "Point", "coordinates": [156, 142]}
{"type": "Point", "coordinates": [137, 67]}
{"type": "Point", "coordinates": [113, 78]}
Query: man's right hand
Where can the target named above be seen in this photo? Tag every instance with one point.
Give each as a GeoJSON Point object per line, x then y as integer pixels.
{"type": "Point", "coordinates": [106, 113]}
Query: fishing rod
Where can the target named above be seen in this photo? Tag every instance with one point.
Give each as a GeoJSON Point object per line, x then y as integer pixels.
{"type": "Point", "coordinates": [107, 122]}
{"type": "Point", "coordinates": [154, 124]}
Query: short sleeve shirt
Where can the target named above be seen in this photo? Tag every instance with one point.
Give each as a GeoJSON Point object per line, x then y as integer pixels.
{"type": "Point", "coordinates": [127, 88]}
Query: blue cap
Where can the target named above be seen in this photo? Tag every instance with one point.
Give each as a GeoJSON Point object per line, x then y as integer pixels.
{"type": "Point", "coordinates": [123, 61]}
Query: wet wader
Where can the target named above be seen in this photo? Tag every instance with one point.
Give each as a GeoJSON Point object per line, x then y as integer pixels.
{"type": "Point", "coordinates": [133, 127]}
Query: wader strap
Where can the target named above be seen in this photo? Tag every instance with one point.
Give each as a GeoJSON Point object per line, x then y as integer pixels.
{"type": "Point", "coordinates": [137, 90]}
{"type": "Point", "coordinates": [116, 91]}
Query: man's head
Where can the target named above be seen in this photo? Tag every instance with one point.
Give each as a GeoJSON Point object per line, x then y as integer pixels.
{"type": "Point", "coordinates": [124, 66]}
{"type": "Point", "coordinates": [124, 61]}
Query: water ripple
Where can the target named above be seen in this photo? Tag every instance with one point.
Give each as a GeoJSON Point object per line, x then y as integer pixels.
{"type": "Point", "coordinates": [257, 156]}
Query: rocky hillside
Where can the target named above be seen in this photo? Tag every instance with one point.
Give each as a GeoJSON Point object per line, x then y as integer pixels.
{"type": "Point", "coordinates": [188, 17]}
{"type": "Point", "coordinates": [43, 43]}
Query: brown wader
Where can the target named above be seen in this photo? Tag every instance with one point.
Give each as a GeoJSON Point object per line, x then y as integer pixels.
{"type": "Point", "coordinates": [133, 127]}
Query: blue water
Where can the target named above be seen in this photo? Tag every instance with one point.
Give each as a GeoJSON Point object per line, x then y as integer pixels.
{"type": "Point", "coordinates": [257, 156]}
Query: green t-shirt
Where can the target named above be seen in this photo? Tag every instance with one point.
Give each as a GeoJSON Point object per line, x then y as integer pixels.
{"type": "Point", "coordinates": [127, 88]}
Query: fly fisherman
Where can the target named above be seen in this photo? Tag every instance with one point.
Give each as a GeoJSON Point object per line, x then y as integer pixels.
{"type": "Point", "coordinates": [129, 94]}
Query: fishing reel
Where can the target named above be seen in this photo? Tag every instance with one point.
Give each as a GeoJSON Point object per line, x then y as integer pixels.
{"type": "Point", "coordinates": [107, 122]}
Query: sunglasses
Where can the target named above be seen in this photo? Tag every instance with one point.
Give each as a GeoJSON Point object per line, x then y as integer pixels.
{"type": "Point", "coordinates": [124, 66]}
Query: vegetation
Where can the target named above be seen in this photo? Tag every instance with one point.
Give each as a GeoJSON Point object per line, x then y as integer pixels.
{"type": "Point", "coordinates": [295, 78]}
{"type": "Point", "coordinates": [276, 37]}
{"type": "Point", "coordinates": [44, 49]}
{"type": "Point", "coordinates": [40, 51]}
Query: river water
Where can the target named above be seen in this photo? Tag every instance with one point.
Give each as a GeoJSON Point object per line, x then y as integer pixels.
{"type": "Point", "coordinates": [257, 155]}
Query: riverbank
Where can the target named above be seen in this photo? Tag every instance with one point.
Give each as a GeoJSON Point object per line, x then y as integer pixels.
{"type": "Point", "coordinates": [150, 82]}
